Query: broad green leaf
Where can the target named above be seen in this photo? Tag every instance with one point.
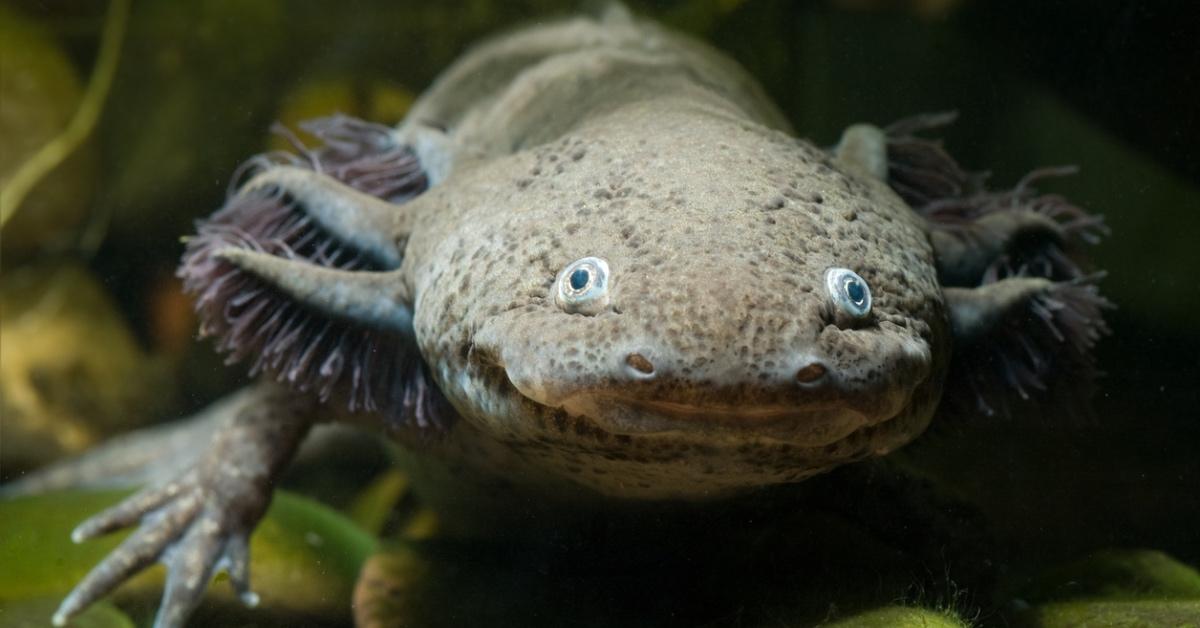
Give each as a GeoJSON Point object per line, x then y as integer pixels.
{"type": "Point", "coordinates": [305, 556]}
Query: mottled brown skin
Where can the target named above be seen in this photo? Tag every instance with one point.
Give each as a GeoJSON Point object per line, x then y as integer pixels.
{"type": "Point", "coordinates": [719, 365]}
{"type": "Point", "coordinates": [718, 283]}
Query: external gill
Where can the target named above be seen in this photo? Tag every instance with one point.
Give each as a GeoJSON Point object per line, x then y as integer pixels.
{"type": "Point", "coordinates": [1023, 303]}
{"type": "Point", "coordinates": [298, 275]}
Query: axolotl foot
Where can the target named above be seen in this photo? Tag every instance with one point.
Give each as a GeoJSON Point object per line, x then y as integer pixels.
{"type": "Point", "coordinates": [183, 526]}
{"type": "Point", "coordinates": [200, 521]}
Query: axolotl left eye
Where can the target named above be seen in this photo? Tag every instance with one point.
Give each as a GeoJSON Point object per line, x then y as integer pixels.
{"type": "Point", "coordinates": [582, 287]}
{"type": "Point", "coordinates": [848, 292]}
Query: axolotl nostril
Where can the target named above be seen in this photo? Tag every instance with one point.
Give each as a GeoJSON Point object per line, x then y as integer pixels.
{"type": "Point", "coordinates": [595, 262]}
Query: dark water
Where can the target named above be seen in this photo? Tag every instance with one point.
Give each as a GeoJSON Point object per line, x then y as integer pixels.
{"type": "Point", "coordinates": [1109, 86]}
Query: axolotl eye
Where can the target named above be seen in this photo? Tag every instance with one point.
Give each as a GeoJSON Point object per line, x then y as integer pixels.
{"type": "Point", "coordinates": [582, 287]}
{"type": "Point", "coordinates": [849, 292]}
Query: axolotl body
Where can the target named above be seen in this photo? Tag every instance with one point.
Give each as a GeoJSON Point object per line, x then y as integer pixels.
{"type": "Point", "coordinates": [593, 261]}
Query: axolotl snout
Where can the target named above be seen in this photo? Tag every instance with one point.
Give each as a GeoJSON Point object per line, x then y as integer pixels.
{"type": "Point", "coordinates": [594, 262]}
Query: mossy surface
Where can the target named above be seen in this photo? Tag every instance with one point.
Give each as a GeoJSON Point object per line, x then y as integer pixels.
{"type": "Point", "coordinates": [900, 617]}
{"type": "Point", "coordinates": [1114, 574]}
{"type": "Point", "coordinates": [1114, 614]}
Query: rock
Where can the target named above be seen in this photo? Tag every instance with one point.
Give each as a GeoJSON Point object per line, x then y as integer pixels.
{"type": "Point", "coordinates": [71, 370]}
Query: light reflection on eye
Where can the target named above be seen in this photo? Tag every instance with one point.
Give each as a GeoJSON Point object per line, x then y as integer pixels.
{"type": "Point", "coordinates": [582, 287]}
{"type": "Point", "coordinates": [849, 292]}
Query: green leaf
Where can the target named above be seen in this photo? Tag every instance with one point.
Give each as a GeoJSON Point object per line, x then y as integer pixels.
{"type": "Point", "coordinates": [305, 556]}
{"type": "Point", "coordinates": [36, 612]}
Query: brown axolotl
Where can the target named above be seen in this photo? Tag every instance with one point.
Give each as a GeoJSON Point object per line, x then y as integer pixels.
{"type": "Point", "coordinates": [594, 261]}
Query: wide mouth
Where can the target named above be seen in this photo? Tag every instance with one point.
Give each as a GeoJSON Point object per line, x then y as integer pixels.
{"type": "Point", "coordinates": [721, 413]}
{"type": "Point", "coordinates": [815, 424]}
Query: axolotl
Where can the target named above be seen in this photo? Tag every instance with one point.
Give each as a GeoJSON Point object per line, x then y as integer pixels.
{"type": "Point", "coordinates": [594, 262]}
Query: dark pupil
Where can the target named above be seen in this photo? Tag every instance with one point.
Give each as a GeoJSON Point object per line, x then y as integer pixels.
{"type": "Point", "coordinates": [854, 290]}
{"type": "Point", "coordinates": [579, 278]}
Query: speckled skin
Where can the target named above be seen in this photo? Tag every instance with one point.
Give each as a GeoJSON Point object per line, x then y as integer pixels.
{"type": "Point", "coordinates": [618, 140]}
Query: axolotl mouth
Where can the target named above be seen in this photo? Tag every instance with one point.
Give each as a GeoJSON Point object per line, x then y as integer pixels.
{"type": "Point", "coordinates": [671, 437]}
{"type": "Point", "coordinates": [817, 421]}
{"type": "Point", "coordinates": [811, 401]}
{"type": "Point", "coordinates": [813, 425]}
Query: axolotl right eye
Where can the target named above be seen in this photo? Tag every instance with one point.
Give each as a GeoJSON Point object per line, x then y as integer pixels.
{"type": "Point", "coordinates": [848, 292]}
{"type": "Point", "coordinates": [582, 287]}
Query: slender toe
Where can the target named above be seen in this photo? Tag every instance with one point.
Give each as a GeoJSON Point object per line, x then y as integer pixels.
{"type": "Point", "coordinates": [237, 558]}
{"type": "Point", "coordinates": [189, 569]}
{"type": "Point", "coordinates": [136, 553]}
{"type": "Point", "coordinates": [128, 512]}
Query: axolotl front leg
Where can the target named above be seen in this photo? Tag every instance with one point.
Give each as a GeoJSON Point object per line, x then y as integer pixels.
{"type": "Point", "coordinates": [201, 520]}
{"type": "Point", "coordinates": [299, 275]}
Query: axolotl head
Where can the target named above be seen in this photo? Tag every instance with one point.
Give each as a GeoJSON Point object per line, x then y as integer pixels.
{"type": "Point", "coordinates": [690, 311]}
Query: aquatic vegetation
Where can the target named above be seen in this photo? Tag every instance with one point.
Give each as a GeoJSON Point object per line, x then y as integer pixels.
{"type": "Point", "coordinates": [307, 558]}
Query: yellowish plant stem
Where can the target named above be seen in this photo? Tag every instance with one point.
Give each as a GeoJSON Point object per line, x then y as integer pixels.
{"type": "Point", "coordinates": [49, 156]}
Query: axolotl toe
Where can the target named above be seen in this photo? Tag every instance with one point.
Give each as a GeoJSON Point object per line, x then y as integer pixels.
{"type": "Point", "coordinates": [593, 263]}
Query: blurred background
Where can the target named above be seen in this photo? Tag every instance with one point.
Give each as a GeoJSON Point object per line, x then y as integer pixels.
{"type": "Point", "coordinates": [97, 337]}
